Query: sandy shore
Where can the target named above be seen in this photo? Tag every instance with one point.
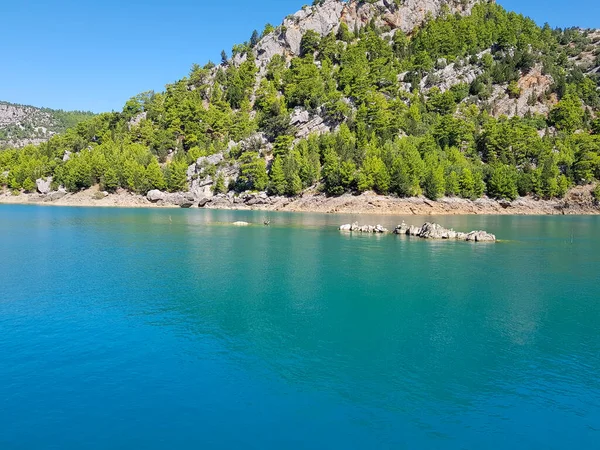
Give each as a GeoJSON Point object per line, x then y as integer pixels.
{"type": "Point", "coordinates": [578, 201]}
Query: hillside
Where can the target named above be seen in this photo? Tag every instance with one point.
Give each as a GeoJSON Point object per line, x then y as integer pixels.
{"type": "Point", "coordinates": [453, 98]}
{"type": "Point", "coordinates": [24, 125]}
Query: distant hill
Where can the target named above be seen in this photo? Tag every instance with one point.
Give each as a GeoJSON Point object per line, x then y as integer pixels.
{"type": "Point", "coordinates": [22, 125]}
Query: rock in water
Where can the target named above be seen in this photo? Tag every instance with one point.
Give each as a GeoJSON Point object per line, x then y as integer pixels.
{"type": "Point", "coordinates": [436, 231]}
{"type": "Point", "coordinates": [377, 229]}
{"type": "Point", "coordinates": [480, 236]}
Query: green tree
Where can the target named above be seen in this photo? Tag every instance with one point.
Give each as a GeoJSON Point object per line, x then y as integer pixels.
{"type": "Point", "coordinates": [567, 115]}
{"type": "Point", "coordinates": [309, 43]}
{"type": "Point", "coordinates": [253, 173]}
{"type": "Point", "coordinates": [331, 173]}
{"type": "Point", "coordinates": [467, 184]}
{"type": "Point", "coordinates": [110, 180]}
{"type": "Point", "coordinates": [155, 178]}
{"type": "Point", "coordinates": [503, 182]}
{"type": "Point", "coordinates": [29, 185]}
{"type": "Point", "coordinates": [277, 182]}
{"type": "Point", "coordinates": [452, 184]}
{"type": "Point", "coordinates": [434, 185]}
{"type": "Point", "coordinates": [176, 176]}
{"type": "Point", "coordinates": [219, 184]}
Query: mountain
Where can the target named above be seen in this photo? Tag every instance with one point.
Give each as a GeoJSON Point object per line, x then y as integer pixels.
{"type": "Point", "coordinates": [455, 98]}
{"type": "Point", "coordinates": [24, 125]}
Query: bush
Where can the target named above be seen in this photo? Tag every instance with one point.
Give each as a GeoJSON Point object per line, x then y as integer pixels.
{"type": "Point", "coordinates": [596, 193]}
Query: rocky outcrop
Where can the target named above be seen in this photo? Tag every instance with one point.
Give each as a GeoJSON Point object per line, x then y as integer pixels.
{"type": "Point", "coordinates": [451, 75]}
{"type": "Point", "coordinates": [326, 18]}
{"type": "Point", "coordinates": [436, 231]}
{"type": "Point", "coordinates": [533, 87]}
{"type": "Point", "coordinates": [184, 200]}
{"type": "Point", "coordinates": [356, 228]}
{"type": "Point", "coordinates": [244, 200]}
{"type": "Point", "coordinates": [306, 124]}
{"type": "Point", "coordinates": [137, 119]}
{"type": "Point", "coordinates": [405, 15]}
{"type": "Point", "coordinates": [427, 231]}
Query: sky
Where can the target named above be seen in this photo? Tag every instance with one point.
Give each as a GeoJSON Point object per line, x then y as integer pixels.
{"type": "Point", "coordinates": [94, 55]}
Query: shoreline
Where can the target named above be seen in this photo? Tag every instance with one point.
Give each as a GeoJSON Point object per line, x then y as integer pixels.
{"type": "Point", "coordinates": [578, 201]}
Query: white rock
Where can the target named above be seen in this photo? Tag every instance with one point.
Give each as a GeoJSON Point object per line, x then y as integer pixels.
{"type": "Point", "coordinates": [43, 185]}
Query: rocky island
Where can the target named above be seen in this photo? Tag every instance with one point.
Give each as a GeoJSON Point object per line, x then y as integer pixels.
{"type": "Point", "coordinates": [427, 231]}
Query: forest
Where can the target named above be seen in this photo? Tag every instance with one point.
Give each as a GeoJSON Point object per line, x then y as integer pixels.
{"type": "Point", "coordinates": [395, 128]}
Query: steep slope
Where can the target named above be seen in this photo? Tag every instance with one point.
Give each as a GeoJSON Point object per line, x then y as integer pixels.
{"type": "Point", "coordinates": [24, 125]}
{"type": "Point", "coordinates": [410, 98]}
{"type": "Point", "coordinates": [326, 17]}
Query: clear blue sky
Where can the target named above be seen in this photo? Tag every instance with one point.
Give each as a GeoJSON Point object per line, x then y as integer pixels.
{"type": "Point", "coordinates": [94, 55]}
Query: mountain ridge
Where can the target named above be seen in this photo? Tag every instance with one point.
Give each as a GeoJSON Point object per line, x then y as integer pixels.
{"type": "Point", "coordinates": [22, 125]}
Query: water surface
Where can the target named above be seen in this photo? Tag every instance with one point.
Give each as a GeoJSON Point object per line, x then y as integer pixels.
{"type": "Point", "coordinates": [162, 329]}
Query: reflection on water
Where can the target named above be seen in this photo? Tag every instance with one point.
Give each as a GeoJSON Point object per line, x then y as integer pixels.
{"type": "Point", "coordinates": [295, 334]}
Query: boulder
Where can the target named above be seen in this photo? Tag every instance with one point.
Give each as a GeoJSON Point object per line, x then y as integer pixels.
{"type": "Point", "coordinates": [186, 204]}
{"type": "Point", "coordinates": [373, 229]}
{"type": "Point", "coordinates": [480, 236]}
{"type": "Point", "coordinates": [203, 202]}
{"type": "Point", "coordinates": [155, 195]}
{"type": "Point", "coordinates": [436, 231]}
{"type": "Point", "coordinates": [413, 231]}
{"type": "Point", "coordinates": [56, 195]}
{"type": "Point", "coordinates": [43, 185]}
{"type": "Point", "coordinates": [401, 229]}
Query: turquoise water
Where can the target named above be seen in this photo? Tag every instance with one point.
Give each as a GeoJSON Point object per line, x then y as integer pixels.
{"type": "Point", "coordinates": [157, 329]}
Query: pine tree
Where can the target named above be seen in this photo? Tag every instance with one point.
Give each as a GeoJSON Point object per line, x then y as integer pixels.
{"type": "Point", "coordinates": [154, 176]}
{"type": "Point", "coordinates": [219, 184]}
{"type": "Point", "coordinates": [110, 180]}
{"type": "Point", "coordinates": [434, 184]}
{"type": "Point", "coordinates": [176, 176]}
{"type": "Point", "coordinates": [467, 184]}
{"type": "Point", "coordinates": [277, 182]}
{"type": "Point", "coordinates": [29, 185]}
{"type": "Point", "coordinates": [254, 39]}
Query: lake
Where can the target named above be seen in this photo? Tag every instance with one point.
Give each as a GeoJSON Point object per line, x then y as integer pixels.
{"type": "Point", "coordinates": [171, 329]}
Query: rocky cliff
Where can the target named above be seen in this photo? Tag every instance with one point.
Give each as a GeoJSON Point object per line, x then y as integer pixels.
{"type": "Point", "coordinates": [328, 16]}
